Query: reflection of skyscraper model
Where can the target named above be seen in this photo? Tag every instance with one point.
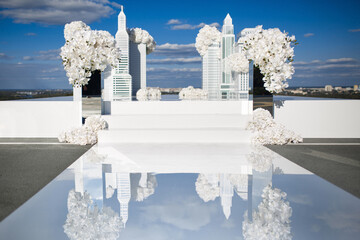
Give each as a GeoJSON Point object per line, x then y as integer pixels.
{"type": "Point", "coordinates": [226, 194]}
{"type": "Point", "coordinates": [121, 77]}
{"type": "Point", "coordinates": [137, 66]}
{"type": "Point", "coordinates": [123, 195]}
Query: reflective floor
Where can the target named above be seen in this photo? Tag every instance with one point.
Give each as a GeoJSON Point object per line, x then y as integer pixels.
{"type": "Point", "coordinates": [185, 191]}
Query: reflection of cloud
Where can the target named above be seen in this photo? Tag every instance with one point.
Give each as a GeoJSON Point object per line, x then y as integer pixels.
{"type": "Point", "coordinates": [55, 11]}
{"type": "Point", "coordinates": [152, 232]}
{"type": "Point", "coordinates": [300, 199]}
{"type": "Point", "coordinates": [187, 213]}
{"type": "Point", "coordinates": [228, 223]}
{"type": "Point", "coordinates": [349, 222]}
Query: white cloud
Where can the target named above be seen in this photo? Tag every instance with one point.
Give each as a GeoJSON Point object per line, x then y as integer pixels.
{"type": "Point", "coordinates": [52, 54]}
{"type": "Point", "coordinates": [175, 60]}
{"type": "Point", "coordinates": [175, 50]}
{"type": "Point", "coordinates": [342, 60]}
{"type": "Point", "coordinates": [354, 30]}
{"type": "Point", "coordinates": [173, 21]}
{"type": "Point", "coordinates": [4, 56]}
{"type": "Point", "coordinates": [30, 34]}
{"type": "Point", "coordinates": [190, 27]}
{"type": "Point", "coordinates": [309, 34]}
{"type": "Point", "coordinates": [116, 5]}
{"type": "Point", "coordinates": [55, 11]}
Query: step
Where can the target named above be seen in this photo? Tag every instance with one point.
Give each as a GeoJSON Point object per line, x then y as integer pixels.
{"type": "Point", "coordinates": [200, 135]}
{"type": "Point", "coordinates": [177, 121]}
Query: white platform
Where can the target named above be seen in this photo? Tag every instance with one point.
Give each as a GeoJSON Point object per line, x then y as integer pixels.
{"type": "Point", "coordinates": [177, 122]}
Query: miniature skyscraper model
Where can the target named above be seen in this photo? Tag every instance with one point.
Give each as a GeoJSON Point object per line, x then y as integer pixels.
{"type": "Point", "coordinates": [121, 77]}
{"type": "Point", "coordinates": [211, 71]}
{"type": "Point", "coordinates": [138, 66]}
{"type": "Point", "coordinates": [227, 48]}
{"type": "Point", "coordinates": [217, 79]}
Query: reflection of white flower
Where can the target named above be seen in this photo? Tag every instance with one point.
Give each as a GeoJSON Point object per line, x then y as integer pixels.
{"type": "Point", "coordinates": [237, 62]}
{"type": "Point", "coordinates": [143, 193]}
{"type": "Point", "coordinates": [272, 220]}
{"type": "Point", "coordinates": [85, 51]}
{"type": "Point", "coordinates": [267, 131]}
{"type": "Point", "coordinates": [261, 158]}
{"type": "Point", "coordinates": [191, 93]}
{"type": "Point", "coordinates": [272, 51]}
{"type": "Point", "coordinates": [206, 37]}
{"type": "Point", "coordinates": [138, 35]}
{"type": "Point", "coordinates": [87, 134]}
{"type": "Point", "coordinates": [206, 190]}
{"type": "Point", "coordinates": [86, 221]}
{"type": "Point", "coordinates": [149, 94]}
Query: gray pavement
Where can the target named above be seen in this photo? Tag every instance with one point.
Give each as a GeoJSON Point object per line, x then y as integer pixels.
{"type": "Point", "coordinates": [28, 167]}
{"type": "Point", "coordinates": [335, 160]}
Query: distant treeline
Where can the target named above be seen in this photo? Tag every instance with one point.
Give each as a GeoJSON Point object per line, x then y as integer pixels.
{"type": "Point", "coordinates": [31, 94]}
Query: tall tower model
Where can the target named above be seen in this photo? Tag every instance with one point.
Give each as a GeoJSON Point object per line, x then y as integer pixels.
{"type": "Point", "coordinates": [138, 66]}
{"type": "Point", "coordinates": [121, 77]}
{"type": "Point", "coordinates": [227, 48]}
{"type": "Point", "coordinates": [211, 71]}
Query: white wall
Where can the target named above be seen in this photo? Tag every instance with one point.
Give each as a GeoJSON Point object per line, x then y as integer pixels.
{"type": "Point", "coordinates": [321, 118]}
{"type": "Point", "coordinates": [37, 118]}
{"type": "Point", "coordinates": [181, 107]}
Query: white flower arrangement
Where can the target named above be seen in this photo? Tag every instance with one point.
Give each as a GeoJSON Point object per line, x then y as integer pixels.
{"type": "Point", "coordinates": [237, 62]}
{"type": "Point", "coordinates": [272, 220]}
{"type": "Point", "coordinates": [85, 221]}
{"type": "Point", "coordinates": [86, 134]}
{"type": "Point", "coordinates": [191, 93]}
{"type": "Point", "coordinates": [85, 51]}
{"type": "Point", "coordinates": [138, 35]}
{"type": "Point", "coordinates": [267, 131]}
{"type": "Point", "coordinates": [206, 37]}
{"type": "Point", "coordinates": [149, 94]}
{"type": "Point", "coordinates": [272, 51]}
{"type": "Point", "coordinates": [207, 191]}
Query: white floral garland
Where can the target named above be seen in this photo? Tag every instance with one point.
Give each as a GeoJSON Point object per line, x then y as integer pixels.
{"type": "Point", "coordinates": [85, 51]}
{"type": "Point", "coordinates": [272, 51]}
{"type": "Point", "coordinates": [261, 158]}
{"type": "Point", "coordinates": [138, 35]}
{"type": "Point", "coordinates": [86, 134]}
{"type": "Point", "coordinates": [150, 94]}
{"type": "Point", "coordinates": [272, 220]}
{"type": "Point", "coordinates": [191, 93]}
{"type": "Point", "coordinates": [237, 62]}
{"type": "Point", "coordinates": [267, 131]}
{"type": "Point", "coordinates": [206, 36]}
{"type": "Point", "coordinates": [86, 221]}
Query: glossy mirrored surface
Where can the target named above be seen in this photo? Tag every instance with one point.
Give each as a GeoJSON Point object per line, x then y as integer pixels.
{"type": "Point", "coordinates": [185, 191]}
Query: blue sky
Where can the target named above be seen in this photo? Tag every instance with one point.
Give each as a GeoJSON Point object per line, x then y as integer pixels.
{"type": "Point", "coordinates": [31, 34]}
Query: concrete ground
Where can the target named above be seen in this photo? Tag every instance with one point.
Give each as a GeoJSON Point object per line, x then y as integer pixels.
{"type": "Point", "coordinates": [27, 165]}
{"type": "Point", "coordinates": [335, 160]}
